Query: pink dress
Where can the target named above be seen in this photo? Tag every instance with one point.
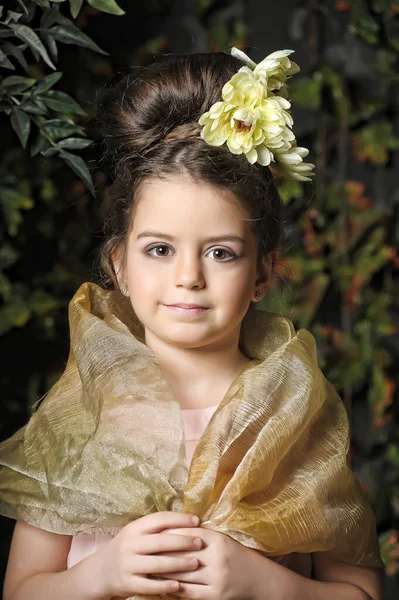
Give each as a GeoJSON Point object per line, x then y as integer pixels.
{"type": "Point", "coordinates": [195, 420]}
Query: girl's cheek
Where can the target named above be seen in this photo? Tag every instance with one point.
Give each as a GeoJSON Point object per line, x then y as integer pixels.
{"type": "Point", "coordinates": [143, 276]}
{"type": "Point", "coordinates": [240, 284]}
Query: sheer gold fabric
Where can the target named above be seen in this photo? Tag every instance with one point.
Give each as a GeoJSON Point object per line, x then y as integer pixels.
{"type": "Point", "coordinates": [106, 445]}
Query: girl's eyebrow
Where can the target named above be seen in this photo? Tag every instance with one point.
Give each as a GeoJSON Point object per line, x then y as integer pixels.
{"type": "Point", "coordinates": [218, 238]}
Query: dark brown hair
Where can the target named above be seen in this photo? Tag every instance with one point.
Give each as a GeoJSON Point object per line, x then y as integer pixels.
{"type": "Point", "coordinates": [149, 123]}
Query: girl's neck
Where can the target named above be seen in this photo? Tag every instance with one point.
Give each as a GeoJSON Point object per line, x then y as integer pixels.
{"type": "Point", "coordinates": [198, 377]}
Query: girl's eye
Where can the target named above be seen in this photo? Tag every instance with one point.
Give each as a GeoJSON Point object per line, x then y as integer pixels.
{"type": "Point", "coordinates": [221, 254]}
{"type": "Point", "coordinates": [157, 247]}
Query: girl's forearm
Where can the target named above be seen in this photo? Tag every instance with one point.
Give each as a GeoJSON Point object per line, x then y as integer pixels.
{"type": "Point", "coordinates": [301, 587]}
{"type": "Point", "coordinates": [289, 585]}
{"type": "Point", "coordinates": [80, 582]}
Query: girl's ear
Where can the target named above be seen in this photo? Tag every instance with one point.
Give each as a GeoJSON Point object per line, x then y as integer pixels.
{"type": "Point", "coordinates": [264, 276]}
{"type": "Point", "coordinates": [117, 264]}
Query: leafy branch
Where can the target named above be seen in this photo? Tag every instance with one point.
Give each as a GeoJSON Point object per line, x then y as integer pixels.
{"type": "Point", "coordinates": [43, 116]}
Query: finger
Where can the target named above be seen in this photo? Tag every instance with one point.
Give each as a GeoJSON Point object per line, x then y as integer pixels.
{"type": "Point", "coordinates": [191, 590]}
{"type": "Point", "coordinates": [156, 522]}
{"type": "Point", "coordinates": [164, 564]}
{"type": "Point", "coordinates": [196, 576]}
{"type": "Point", "coordinates": [195, 531]}
{"type": "Point", "coordinates": [168, 542]}
{"type": "Point", "coordinates": [143, 585]}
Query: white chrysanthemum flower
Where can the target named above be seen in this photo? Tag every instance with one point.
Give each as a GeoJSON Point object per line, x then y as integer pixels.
{"type": "Point", "coordinates": [290, 163]}
{"type": "Point", "coordinates": [253, 118]}
{"type": "Point", "coordinates": [247, 120]}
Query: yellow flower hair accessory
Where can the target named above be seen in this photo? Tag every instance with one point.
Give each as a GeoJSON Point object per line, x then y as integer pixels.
{"type": "Point", "coordinates": [253, 117]}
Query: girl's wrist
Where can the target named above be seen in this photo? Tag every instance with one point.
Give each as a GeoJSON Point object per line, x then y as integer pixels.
{"type": "Point", "coordinates": [275, 587]}
{"type": "Point", "coordinates": [93, 574]}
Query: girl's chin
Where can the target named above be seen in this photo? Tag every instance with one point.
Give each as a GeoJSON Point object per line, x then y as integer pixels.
{"type": "Point", "coordinates": [184, 338]}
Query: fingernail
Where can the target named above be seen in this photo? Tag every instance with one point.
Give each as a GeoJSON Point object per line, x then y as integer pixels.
{"type": "Point", "coordinates": [195, 520]}
{"type": "Point", "coordinates": [174, 585]}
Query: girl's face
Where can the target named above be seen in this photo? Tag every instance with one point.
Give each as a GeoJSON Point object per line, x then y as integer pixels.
{"type": "Point", "coordinates": [189, 244]}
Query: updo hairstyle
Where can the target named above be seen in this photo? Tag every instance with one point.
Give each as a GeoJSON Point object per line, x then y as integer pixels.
{"type": "Point", "coordinates": [149, 123]}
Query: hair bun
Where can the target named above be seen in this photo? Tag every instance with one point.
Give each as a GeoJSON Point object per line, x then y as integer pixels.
{"type": "Point", "coordinates": [162, 101]}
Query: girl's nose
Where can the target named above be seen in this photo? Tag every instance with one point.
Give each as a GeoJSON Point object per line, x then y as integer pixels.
{"type": "Point", "coordinates": [189, 271]}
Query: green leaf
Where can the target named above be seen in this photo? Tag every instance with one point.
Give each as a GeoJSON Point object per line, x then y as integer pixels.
{"type": "Point", "coordinates": [69, 34]}
{"type": "Point", "coordinates": [366, 27]}
{"type": "Point", "coordinates": [76, 5]}
{"type": "Point", "coordinates": [38, 145]}
{"type": "Point", "coordinates": [5, 287]}
{"type": "Point", "coordinates": [22, 5]}
{"type": "Point", "coordinates": [49, 17]}
{"type": "Point", "coordinates": [306, 91]}
{"type": "Point", "coordinates": [13, 315]}
{"type": "Point", "coordinates": [108, 6]}
{"type": "Point", "coordinates": [20, 122]}
{"type": "Point", "coordinates": [58, 128]}
{"type": "Point", "coordinates": [4, 62]}
{"type": "Point", "coordinates": [16, 84]}
{"type": "Point", "coordinates": [392, 453]}
{"type": "Point", "coordinates": [74, 143]}
{"type": "Point", "coordinates": [48, 193]}
{"type": "Point", "coordinates": [42, 303]}
{"type": "Point", "coordinates": [290, 189]}
{"type": "Point", "coordinates": [26, 34]}
{"type": "Point", "coordinates": [52, 151]}
{"type": "Point", "coordinates": [47, 82]}
{"type": "Point", "coordinates": [33, 106]}
{"type": "Point", "coordinates": [79, 167]}
{"type": "Point", "coordinates": [8, 256]}
{"type": "Point", "coordinates": [12, 17]}
{"type": "Point", "coordinates": [16, 198]}
{"type": "Point", "coordinates": [51, 45]}
{"type": "Point", "coordinates": [61, 102]}
{"type": "Point", "coordinates": [380, 6]}
{"type": "Point", "coordinates": [374, 142]}
{"type": "Point", "coordinates": [13, 201]}
{"type": "Point", "coordinates": [17, 52]}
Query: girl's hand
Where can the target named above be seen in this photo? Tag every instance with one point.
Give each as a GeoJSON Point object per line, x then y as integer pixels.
{"type": "Point", "coordinates": [125, 562]}
{"type": "Point", "coordinates": [227, 570]}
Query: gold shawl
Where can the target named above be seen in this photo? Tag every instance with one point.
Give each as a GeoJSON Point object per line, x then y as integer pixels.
{"type": "Point", "coordinates": [106, 445]}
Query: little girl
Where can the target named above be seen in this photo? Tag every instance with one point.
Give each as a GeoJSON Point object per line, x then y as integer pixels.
{"type": "Point", "coordinates": [192, 448]}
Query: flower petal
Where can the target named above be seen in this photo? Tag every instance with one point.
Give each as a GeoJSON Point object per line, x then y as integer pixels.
{"type": "Point", "coordinates": [264, 155]}
{"type": "Point", "coordinates": [252, 155]}
{"type": "Point", "coordinates": [242, 114]}
{"type": "Point", "coordinates": [243, 57]}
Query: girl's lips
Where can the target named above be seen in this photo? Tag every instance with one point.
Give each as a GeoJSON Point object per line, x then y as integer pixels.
{"type": "Point", "coordinates": [183, 305]}
{"type": "Point", "coordinates": [196, 310]}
